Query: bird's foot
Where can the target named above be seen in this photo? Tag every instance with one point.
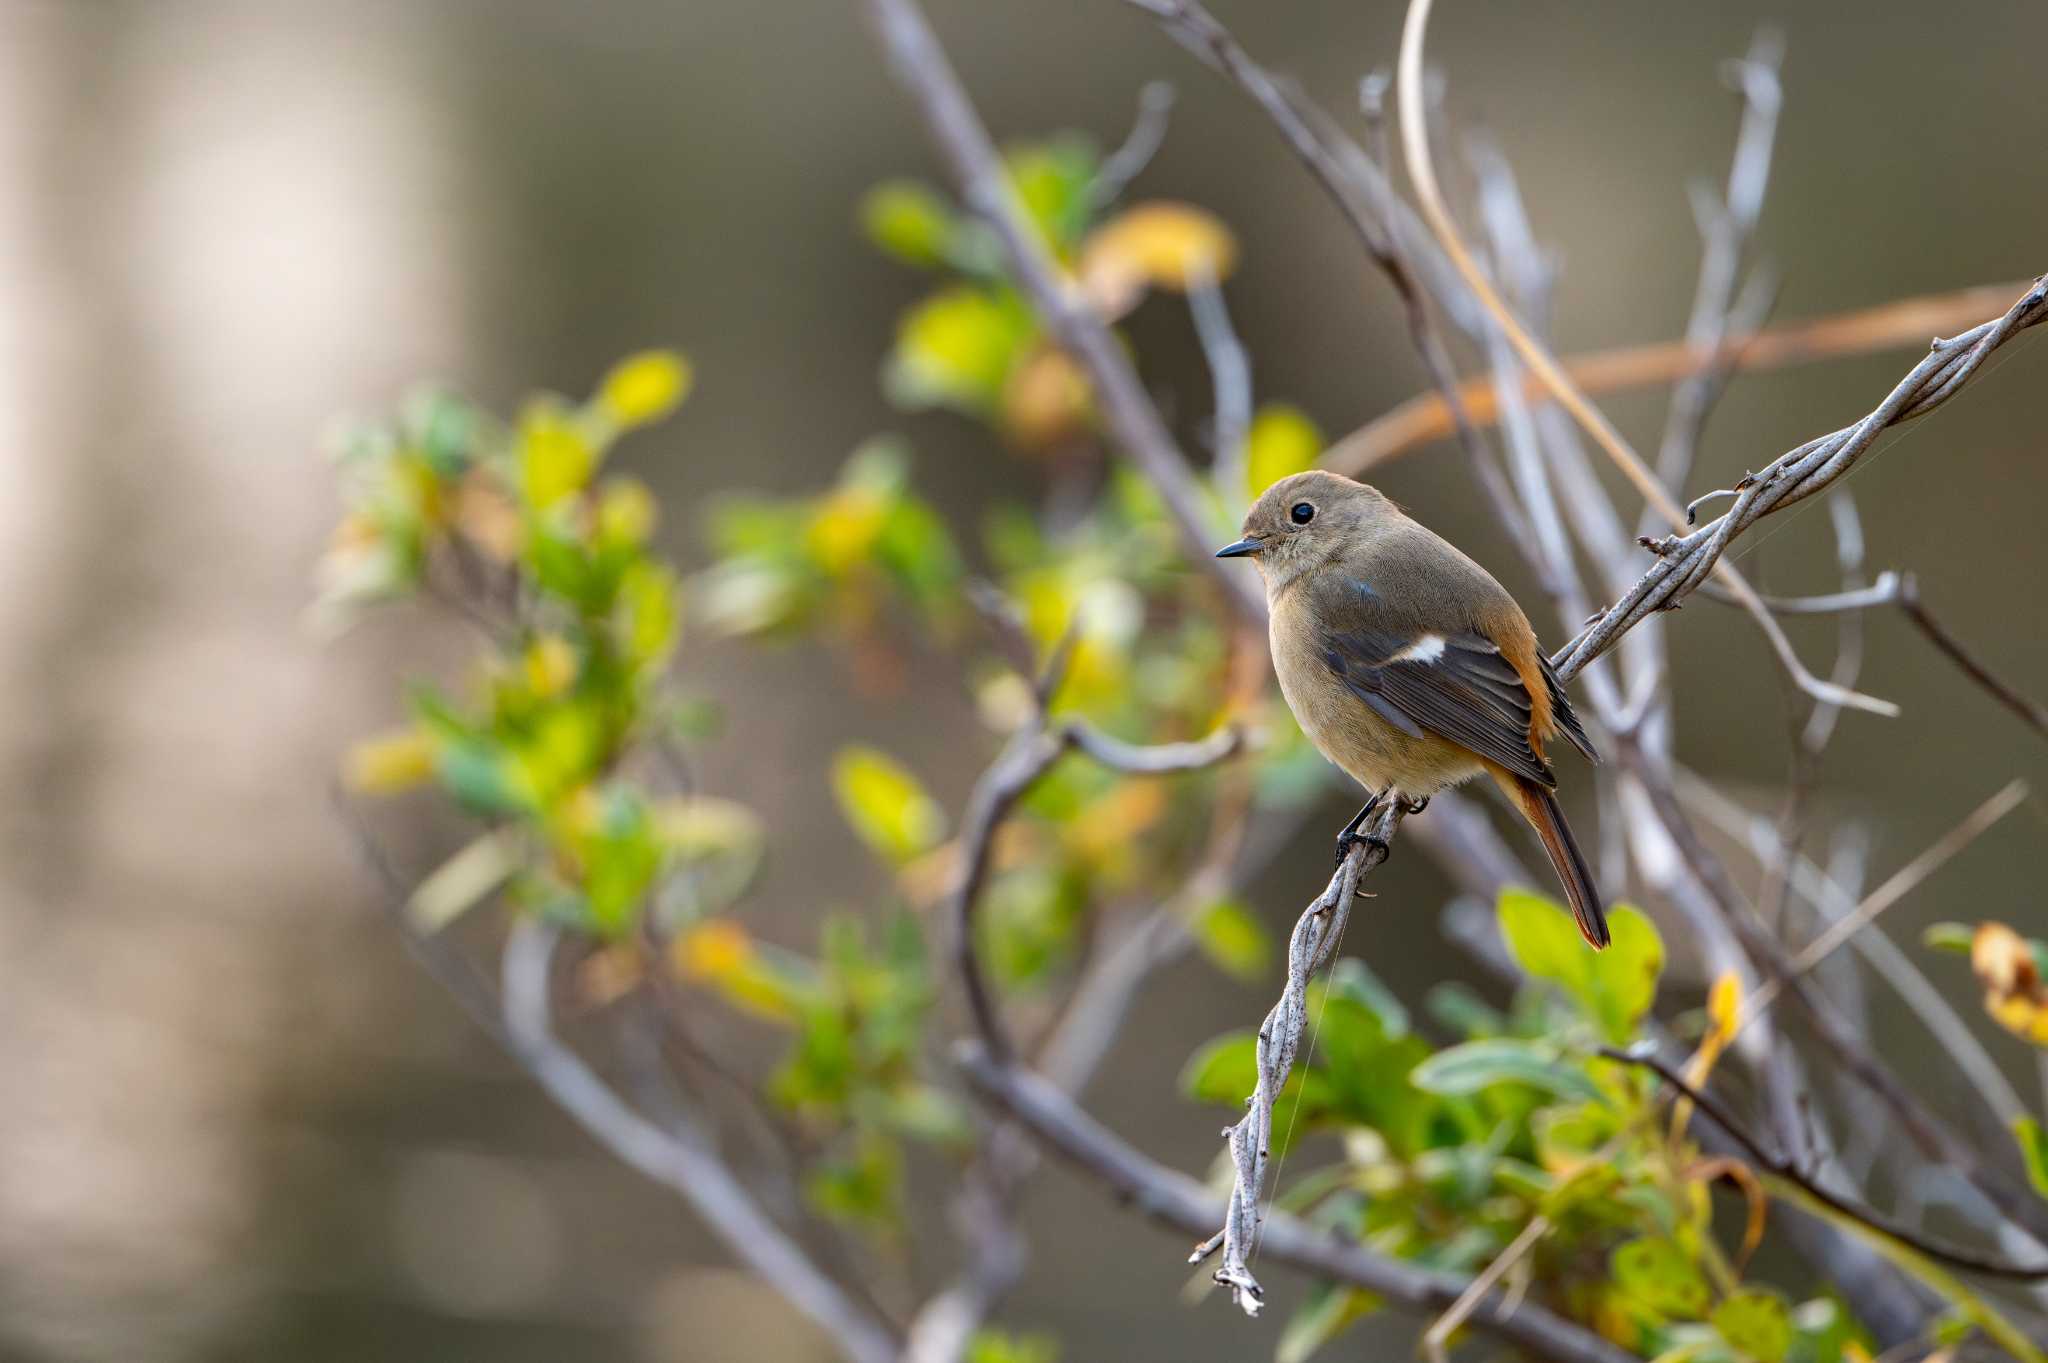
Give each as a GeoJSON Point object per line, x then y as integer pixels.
{"type": "Point", "coordinates": [1415, 806]}
{"type": "Point", "coordinates": [1349, 839]}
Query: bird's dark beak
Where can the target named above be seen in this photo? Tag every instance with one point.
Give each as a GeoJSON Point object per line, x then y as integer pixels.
{"type": "Point", "coordinates": [1250, 544]}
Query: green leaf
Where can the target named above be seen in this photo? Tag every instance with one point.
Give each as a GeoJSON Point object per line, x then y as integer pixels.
{"type": "Point", "coordinates": [1055, 180]}
{"type": "Point", "coordinates": [1757, 1323]}
{"type": "Point", "coordinates": [1281, 441]}
{"type": "Point", "coordinates": [1327, 1313]}
{"type": "Point", "coordinates": [2034, 1150]}
{"type": "Point", "coordinates": [1660, 1275]}
{"type": "Point", "coordinates": [908, 221]}
{"type": "Point", "coordinates": [885, 804]}
{"type": "Point", "coordinates": [956, 349]}
{"type": "Point", "coordinates": [1474, 1065]}
{"type": "Point", "coordinates": [1625, 975]}
{"type": "Point", "coordinates": [1232, 937]}
{"type": "Point", "coordinates": [1351, 978]}
{"type": "Point", "coordinates": [1613, 988]}
{"type": "Point", "coordinates": [481, 776]}
{"type": "Point", "coordinates": [1955, 937]}
{"type": "Point", "coordinates": [1223, 1071]}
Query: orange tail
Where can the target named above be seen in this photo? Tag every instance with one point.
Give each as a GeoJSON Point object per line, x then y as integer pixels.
{"type": "Point", "coordinates": [1539, 806]}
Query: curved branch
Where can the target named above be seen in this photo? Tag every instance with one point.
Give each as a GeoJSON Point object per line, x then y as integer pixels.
{"type": "Point", "coordinates": [1684, 561]}
{"type": "Point", "coordinates": [1174, 1200]}
{"type": "Point", "coordinates": [691, 1171]}
{"type": "Point", "coordinates": [1773, 1163]}
{"type": "Point", "coordinates": [921, 68]}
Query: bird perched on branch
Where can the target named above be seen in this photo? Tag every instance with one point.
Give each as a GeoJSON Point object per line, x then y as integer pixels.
{"type": "Point", "coordinates": [1408, 665]}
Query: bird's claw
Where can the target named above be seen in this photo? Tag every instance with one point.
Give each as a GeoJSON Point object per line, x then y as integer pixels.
{"type": "Point", "coordinates": [1347, 841]}
{"type": "Point", "coordinates": [1415, 806]}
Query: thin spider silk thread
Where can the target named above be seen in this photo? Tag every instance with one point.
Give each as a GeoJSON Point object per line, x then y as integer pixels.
{"type": "Point", "coordinates": [1308, 1057]}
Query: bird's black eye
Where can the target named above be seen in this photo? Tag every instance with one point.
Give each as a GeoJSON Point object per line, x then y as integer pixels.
{"type": "Point", "coordinates": [1301, 513]}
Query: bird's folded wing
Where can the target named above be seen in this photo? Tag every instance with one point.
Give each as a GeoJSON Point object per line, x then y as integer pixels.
{"type": "Point", "coordinates": [1561, 710]}
{"type": "Point", "coordinates": [1454, 685]}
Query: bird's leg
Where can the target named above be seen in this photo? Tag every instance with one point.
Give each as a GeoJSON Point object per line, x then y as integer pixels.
{"type": "Point", "coordinates": [1351, 837]}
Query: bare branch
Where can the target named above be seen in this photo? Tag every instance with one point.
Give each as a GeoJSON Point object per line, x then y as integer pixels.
{"type": "Point", "coordinates": [1421, 169]}
{"type": "Point", "coordinates": [1903, 590]}
{"type": "Point", "coordinates": [1426, 418]}
{"type": "Point", "coordinates": [1309, 948]}
{"type": "Point", "coordinates": [1908, 877]}
{"type": "Point", "coordinates": [2031, 713]}
{"type": "Point", "coordinates": [1127, 162]}
{"type": "Point", "coordinates": [1028, 756]}
{"type": "Point", "coordinates": [1178, 1202]}
{"type": "Point", "coordinates": [1822, 888]}
{"type": "Point", "coordinates": [1230, 369]}
{"type": "Point", "coordinates": [921, 68]}
{"type": "Point", "coordinates": [1779, 1165]}
{"type": "Point", "coordinates": [1726, 228]}
{"type": "Point", "coordinates": [687, 1169]}
{"type": "Point", "coordinates": [1684, 561]}
{"type": "Point", "coordinates": [1383, 224]}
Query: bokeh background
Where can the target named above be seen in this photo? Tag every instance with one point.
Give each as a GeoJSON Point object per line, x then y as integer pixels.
{"type": "Point", "coordinates": [235, 1121]}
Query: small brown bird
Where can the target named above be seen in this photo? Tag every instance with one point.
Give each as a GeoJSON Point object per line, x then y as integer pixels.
{"type": "Point", "coordinates": [1408, 665]}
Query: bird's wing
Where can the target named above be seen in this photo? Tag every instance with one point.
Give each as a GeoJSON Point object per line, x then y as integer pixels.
{"type": "Point", "coordinates": [1561, 710]}
{"type": "Point", "coordinates": [1453, 684]}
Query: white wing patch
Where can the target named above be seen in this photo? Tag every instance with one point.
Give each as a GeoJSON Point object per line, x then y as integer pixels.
{"type": "Point", "coordinates": [1427, 649]}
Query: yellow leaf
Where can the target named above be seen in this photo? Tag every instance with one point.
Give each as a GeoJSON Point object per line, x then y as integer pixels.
{"type": "Point", "coordinates": [2014, 993]}
{"type": "Point", "coordinates": [718, 952]}
{"type": "Point", "coordinates": [1724, 1005]}
{"type": "Point", "coordinates": [626, 512]}
{"type": "Point", "coordinates": [1282, 441]}
{"type": "Point", "coordinates": [644, 388]}
{"type": "Point", "coordinates": [1045, 400]}
{"type": "Point", "coordinates": [556, 460]}
{"type": "Point", "coordinates": [390, 763]}
{"type": "Point", "coordinates": [1159, 245]}
{"type": "Point", "coordinates": [843, 531]}
{"type": "Point", "coordinates": [550, 665]}
{"type": "Point", "coordinates": [885, 804]}
{"type": "Point", "coordinates": [712, 950]}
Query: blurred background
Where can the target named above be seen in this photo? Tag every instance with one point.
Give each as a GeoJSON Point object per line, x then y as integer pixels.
{"type": "Point", "coordinates": [235, 1121]}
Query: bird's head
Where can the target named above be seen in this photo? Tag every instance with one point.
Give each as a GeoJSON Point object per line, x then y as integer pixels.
{"type": "Point", "coordinates": [1307, 519]}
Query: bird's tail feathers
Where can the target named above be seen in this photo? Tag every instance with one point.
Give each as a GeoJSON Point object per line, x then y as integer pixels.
{"type": "Point", "coordinates": [1539, 806]}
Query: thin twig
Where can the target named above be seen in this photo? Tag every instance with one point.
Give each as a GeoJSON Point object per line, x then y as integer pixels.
{"type": "Point", "coordinates": [1422, 171]}
{"type": "Point", "coordinates": [1909, 877]}
{"type": "Point", "coordinates": [688, 1169]}
{"type": "Point", "coordinates": [1383, 223]}
{"type": "Point", "coordinates": [1426, 418]}
{"type": "Point", "coordinates": [2031, 713]}
{"type": "Point", "coordinates": [1903, 590]}
{"type": "Point", "coordinates": [922, 69]}
{"type": "Point", "coordinates": [1822, 888]}
{"type": "Point", "coordinates": [1779, 1165]}
{"type": "Point", "coordinates": [1726, 228]}
{"type": "Point", "coordinates": [1684, 561]}
{"type": "Point", "coordinates": [1436, 1340]}
{"type": "Point", "coordinates": [1028, 756]}
{"type": "Point", "coordinates": [1176, 1201]}
{"type": "Point", "coordinates": [1127, 162]}
{"type": "Point", "coordinates": [1230, 370]}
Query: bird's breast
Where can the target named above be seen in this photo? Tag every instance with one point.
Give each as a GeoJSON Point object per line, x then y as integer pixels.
{"type": "Point", "coordinates": [1345, 729]}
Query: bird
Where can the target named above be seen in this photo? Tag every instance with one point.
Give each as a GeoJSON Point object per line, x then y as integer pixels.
{"type": "Point", "coordinates": [1408, 666]}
